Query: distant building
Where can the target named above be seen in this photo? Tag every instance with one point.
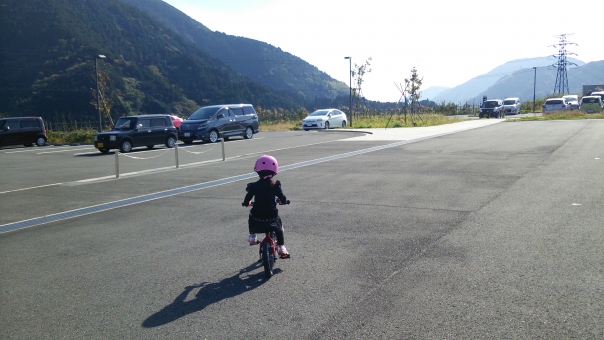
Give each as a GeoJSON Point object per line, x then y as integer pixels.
{"type": "Point", "coordinates": [592, 88]}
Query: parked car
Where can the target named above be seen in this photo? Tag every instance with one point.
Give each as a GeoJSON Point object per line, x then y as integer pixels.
{"type": "Point", "coordinates": [324, 119]}
{"type": "Point", "coordinates": [176, 121]}
{"type": "Point", "coordinates": [572, 100]}
{"type": "Point", "coordinates": [554, 104]}
{"type": "Point", "coordinates": [133, 131]}
{"type": "Point", "coordinates": [492, 108]}
{"type": "Point", "coordinates": [591, 104]}
{"type": "Point", "coordinates": [210, 123]}
{"type": "Point", "coordinates": [599, 94]}
{"type": "Point", "coordinates": [22, 130]}
{"type": "Point", "coordinates": [511, 105]}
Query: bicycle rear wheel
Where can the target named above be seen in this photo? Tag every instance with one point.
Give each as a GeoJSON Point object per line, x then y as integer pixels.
{"type": "Point", "coordinates": [268, 259]}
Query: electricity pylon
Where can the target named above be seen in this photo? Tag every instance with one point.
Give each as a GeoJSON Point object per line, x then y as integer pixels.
{"type": "Point", "coordinates": [561, 86]}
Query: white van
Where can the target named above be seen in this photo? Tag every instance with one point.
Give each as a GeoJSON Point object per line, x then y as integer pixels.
{"type": "Point", "coordinates": [511, 106]}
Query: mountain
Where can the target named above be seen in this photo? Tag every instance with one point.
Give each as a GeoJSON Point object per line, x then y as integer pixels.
{"type": "Point", "coordinates": [261, 62]}
{"type": "Point", "coordinates": [522, 83]}
{"type": "Point", "coordinates": [47, 63]}
{"type": "Point", "coordinates": [478, 85]}
{"type": "Point", "coordinates": [433, 91]}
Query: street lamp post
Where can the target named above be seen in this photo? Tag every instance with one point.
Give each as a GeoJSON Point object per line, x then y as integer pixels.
{"type": "Point", "coordinates": [350, 87]}
{"type": "Point", "coordinates": [98, 95]}
{"type": "Point", "coordinates": [534, 87]}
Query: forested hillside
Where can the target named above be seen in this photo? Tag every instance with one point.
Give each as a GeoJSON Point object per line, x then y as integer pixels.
{"type": "Point", "coordinates": [262, 62]}
{"type": "Point", "coordinates": [47, 63]}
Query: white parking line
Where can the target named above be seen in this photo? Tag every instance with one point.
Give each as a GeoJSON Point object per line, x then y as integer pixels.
{"type": "Point", "coordinates": [67, 150]}
{"type": "Point", "coordinates": [23, 189]}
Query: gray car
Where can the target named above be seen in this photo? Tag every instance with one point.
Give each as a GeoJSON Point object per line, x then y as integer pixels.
{"type": "Point", "coordinates": [210, 123]}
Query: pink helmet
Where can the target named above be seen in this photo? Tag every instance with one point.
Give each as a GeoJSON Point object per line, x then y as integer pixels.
{"type": "Point", "coordinates": [267, 162]}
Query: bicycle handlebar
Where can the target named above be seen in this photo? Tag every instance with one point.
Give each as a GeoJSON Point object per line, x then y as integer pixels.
{"type": "Point", "coordinates": [278, 202]}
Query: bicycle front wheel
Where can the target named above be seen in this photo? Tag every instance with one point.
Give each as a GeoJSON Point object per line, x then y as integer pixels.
{"type": "Point", "coordinates": [268, 259]}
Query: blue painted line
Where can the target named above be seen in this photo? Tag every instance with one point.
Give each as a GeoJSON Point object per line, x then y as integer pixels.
{"type": "Point", "coordinates": [172, 192]}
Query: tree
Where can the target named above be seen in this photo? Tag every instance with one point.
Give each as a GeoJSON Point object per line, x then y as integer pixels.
{"type": "Point", "coordinates": [412, 88]}
{"type": "Point", "coordinates": [106, 98]}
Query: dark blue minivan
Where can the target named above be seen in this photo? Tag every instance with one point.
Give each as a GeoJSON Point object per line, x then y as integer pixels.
{"type": "Point", "coordinates": [210, 123]}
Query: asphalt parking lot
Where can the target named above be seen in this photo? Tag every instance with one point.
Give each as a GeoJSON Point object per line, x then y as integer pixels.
{"type": "Point", "coordinates": [479, 230]}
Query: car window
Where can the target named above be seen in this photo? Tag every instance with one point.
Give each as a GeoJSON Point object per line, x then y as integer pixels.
{"type": "Point", "coordinates": [2, 122]}
{"type": "Point", "coordinates": [123, 123]}
{"type": "Point", "coordinates": [158, 122]}
{"type": "Point", "coordinates": [589, 100]}
{"type": "Point", "coordinates": [224, 112]}
{"type": "Point", "coordinates": [554, 102]}
{"type": "Point", "coordinates": [237, 111]}
{"type": "Point", "coordinates": [320, 113]}
{"type": "Point", "coordinates": [28, 123]}
{"type": "Point", "coordinates": [13, 124]}
{"type": "Point", "coordinates": [509, 102]}
{"type": "Point", "coordinates": [248, 110]}
{"type": "Point", "coordinates": [203, 113]}
{"type": "Point", "coordinates": [144, 123]}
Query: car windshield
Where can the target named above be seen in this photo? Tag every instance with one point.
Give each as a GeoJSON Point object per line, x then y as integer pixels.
{"type": "Point", "coordinates": [490, 104]}
{"type": "Point", "coordinates": [123, 123]}
{"type": "Point", "coordinates": [320, 113]}
{"type": "Point", "coordinates": [203, 113]}
{"type": "Point", "coordinates": [509, 102]}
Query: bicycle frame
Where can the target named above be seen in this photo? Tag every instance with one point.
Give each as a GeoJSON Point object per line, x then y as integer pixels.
{"type": "Point", "coordinates": [270, 239]}
{"type": "Point", "coordinates": [268, 253]}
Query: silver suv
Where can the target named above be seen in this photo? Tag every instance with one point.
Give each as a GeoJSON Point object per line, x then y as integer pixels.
{"type": "Point", "coordinates": [511, 105]}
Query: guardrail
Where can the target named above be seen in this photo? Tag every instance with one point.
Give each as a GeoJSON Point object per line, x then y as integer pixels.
{"type": "Point", "coordinates": [177, 165]}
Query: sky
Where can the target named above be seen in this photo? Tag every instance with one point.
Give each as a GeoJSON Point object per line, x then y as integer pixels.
{"type": "Point", "coordinates": [448, 42]}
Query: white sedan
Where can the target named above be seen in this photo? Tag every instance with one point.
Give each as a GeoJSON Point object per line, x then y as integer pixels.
{"type": "Point", "coordinates": [324, 119]}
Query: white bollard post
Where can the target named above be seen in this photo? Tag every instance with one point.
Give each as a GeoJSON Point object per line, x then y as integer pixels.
{"type": "Point", "coordinates": [176, 155]}
{"type": "Point", "coordinates": [117, 165]}
{"type": "Point", "coordinates": [222, 142]}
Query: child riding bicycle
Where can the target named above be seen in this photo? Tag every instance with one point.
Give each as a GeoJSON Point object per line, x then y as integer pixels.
{"type": "Point", "coordinates": [264, 215]}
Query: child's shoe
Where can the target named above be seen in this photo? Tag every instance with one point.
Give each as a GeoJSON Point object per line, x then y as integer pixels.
{"type": "Point", "coordinates": [283, 252]}
{"type": "Point", "coordinates": [252, 240]}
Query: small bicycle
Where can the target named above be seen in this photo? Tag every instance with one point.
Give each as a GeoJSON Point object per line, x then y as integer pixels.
{"type": "Point", "coordinates": [268, 249]}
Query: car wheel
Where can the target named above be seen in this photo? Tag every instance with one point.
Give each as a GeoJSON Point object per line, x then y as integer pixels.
{"type": "Point", "coordinates": [326, 125]}
{"type": "Point", "coordinates": [150, 146]}
{"type": "Point", "coordinates": [126, 146]}
{"type": "Point", "coordinates": [343, 124]}
{"type": "Point", "coordinates": [104, 150]}
{"type": "Point", "coordinates": [170, 142]}
{"type": "Point", "coordinates": [213, 136]}
{"type": "Point", "coordinates": [41, 141]}
{"type": "Point", "coordinates": [249, 133]}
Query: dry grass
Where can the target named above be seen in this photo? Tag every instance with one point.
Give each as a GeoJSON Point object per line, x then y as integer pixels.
{"type": "Point", "coordinates": [371, 122]}
{"type": "Point", "coordinates": [559, 115]}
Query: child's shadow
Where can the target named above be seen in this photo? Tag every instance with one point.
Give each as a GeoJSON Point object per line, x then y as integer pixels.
{"type": "Point", "coordinates": [208, 294]}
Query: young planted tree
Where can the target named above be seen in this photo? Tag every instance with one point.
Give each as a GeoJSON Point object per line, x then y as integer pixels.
{"type": "Point", "coordinates": [411, 93]}
{"type": "Point", "coordinates": [104, 97]}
